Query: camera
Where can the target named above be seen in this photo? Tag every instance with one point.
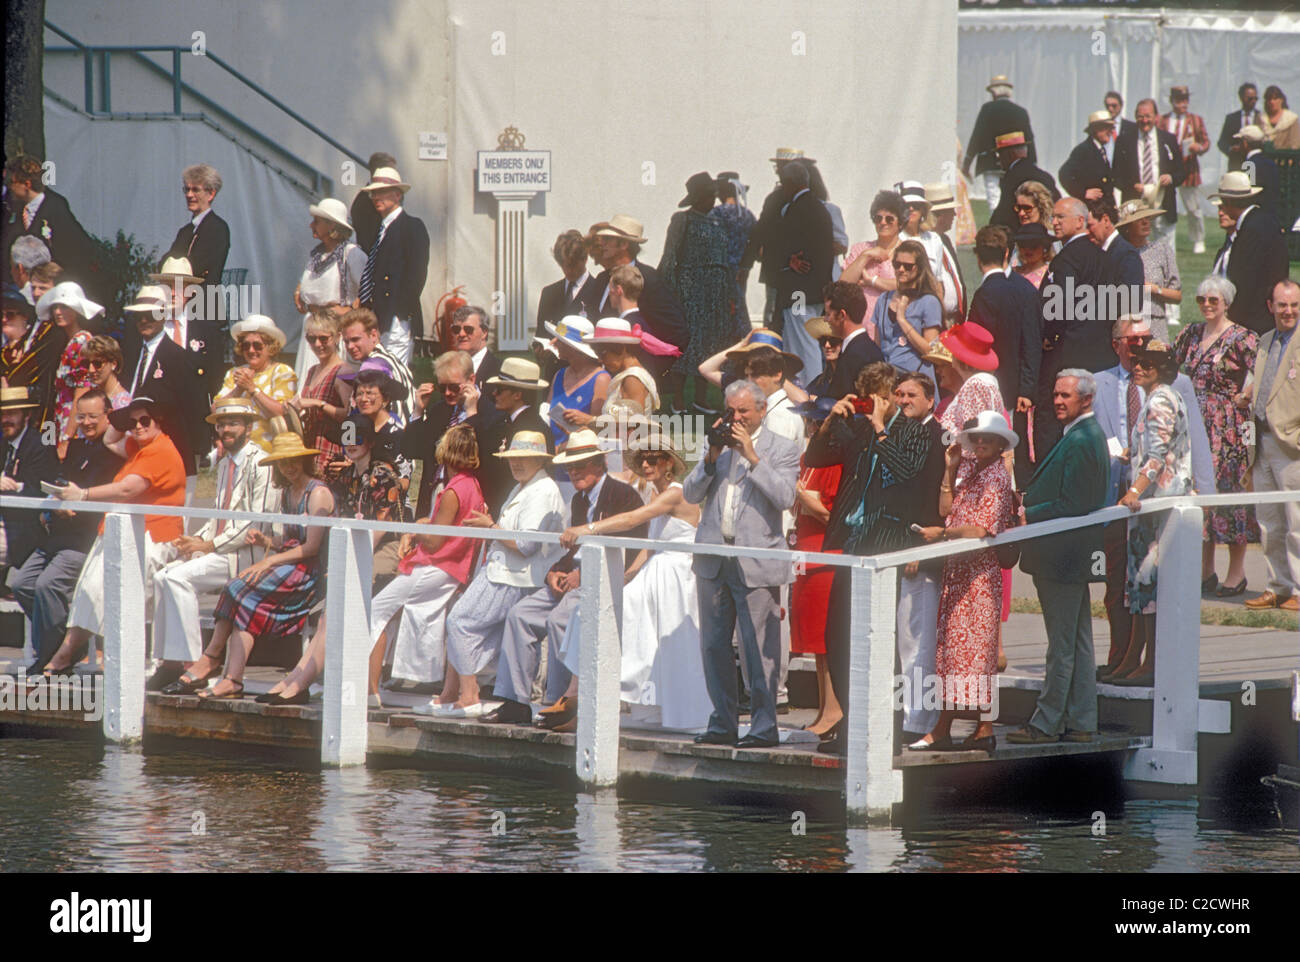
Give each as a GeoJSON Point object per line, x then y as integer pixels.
{"type": "Point", "coordinates": [864, 405]}
{"type": "Point", "coordinates": [720, 434]}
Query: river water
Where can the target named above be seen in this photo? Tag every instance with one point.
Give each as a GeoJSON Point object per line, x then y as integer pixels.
{"type": "Point", "coordinates": [74, 806]}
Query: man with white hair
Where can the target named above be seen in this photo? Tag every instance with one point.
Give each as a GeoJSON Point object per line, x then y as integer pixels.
{"type": "Point", "coordinates": [397, 265]}
{"type": "Point", "coordinates": [204, 239]}
{"type": "Point", "coordinates": [27, 253]}
{"type": "Point", "coordinates": [744, 482]}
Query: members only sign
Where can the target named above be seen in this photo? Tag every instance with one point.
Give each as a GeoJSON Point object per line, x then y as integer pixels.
{"type": "Point", "coordinates": [504, 171]}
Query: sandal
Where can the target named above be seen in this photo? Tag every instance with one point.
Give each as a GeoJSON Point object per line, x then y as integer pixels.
{"type": "Point", "coordinates": [185, 685]}
{"type": "Point", "coordinates": [238, 691]}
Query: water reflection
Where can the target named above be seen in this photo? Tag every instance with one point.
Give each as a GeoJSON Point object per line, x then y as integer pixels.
{"type": "Point", "coordinates": [72, 806]}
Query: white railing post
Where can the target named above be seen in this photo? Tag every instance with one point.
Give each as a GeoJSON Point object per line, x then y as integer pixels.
{"type": "Point", "coordinates": [124, 620]}
{"type": "Point", "coordinates": [872, 787]}
{"type": "Point", "coordinates": [1171, 759]}
{"type": "Point", "coordinates": [344, 721]}
{"type": "Point", "coordinates": [599, 664]}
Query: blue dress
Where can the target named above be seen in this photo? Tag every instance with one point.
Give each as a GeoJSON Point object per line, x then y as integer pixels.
{"type": "Point", "coordinates": [579, 400]}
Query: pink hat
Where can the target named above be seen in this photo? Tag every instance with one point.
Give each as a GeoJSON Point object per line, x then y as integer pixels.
{"type": "Point", "coordinates": [614, 330]}
{"type": "Point", "coordinates": [972, 345]}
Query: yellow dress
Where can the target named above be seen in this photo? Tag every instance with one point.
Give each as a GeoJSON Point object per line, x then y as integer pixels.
{"type": "Point", "coordinates": [277, 381]}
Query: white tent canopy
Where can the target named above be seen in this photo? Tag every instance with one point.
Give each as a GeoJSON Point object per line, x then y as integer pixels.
{"type": "Point", "coordinates": [1062, 62]}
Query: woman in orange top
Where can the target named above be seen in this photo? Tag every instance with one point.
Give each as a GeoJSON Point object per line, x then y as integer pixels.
{"type": "Point", "coordinates": [153, 474]}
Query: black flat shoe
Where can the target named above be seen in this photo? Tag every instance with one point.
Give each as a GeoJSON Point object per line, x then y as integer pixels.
{"type": "Point", "coordinates": [837, 745]}
{"type": "Point", "coordinates": [301, 698]}
{"type": "Point", "coordinates": [509, 713]}
{"type": "Point", "coordinates": [715, 738]}
{"type": "Point", "coordinates": [1226, 592]}
{"type": "Point", "coordinates": [184, 685]}
{"type": "Point", "coordinates": [161, 678]}
{"type": "Point", "coordinates": [267, 698]}
{"type": "Point", "coordinates": [753, 741]}
{"type": "Point", "coordinates": [986, 744]}
{"type": "Point", "coordinates": [1209, 584]}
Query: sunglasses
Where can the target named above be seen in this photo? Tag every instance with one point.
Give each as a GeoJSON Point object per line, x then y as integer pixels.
{"type": "Point", "coordinates": [143, 421]}
{"type": "Point", "coordinates": [466, 328]}
{"type": "Point", "coordinates": [252, 346]}
{"type": "Point", "coordinates": [449, 388]}
{"type": "Point", "coordinates": [884, 218]}
{"type": "Point", "coordinates": [1137, 341]}
{"type": "Point", "coordinates": [96, 365]}
{"type": "Point", "coordinates": [904, 265]}
{"type": "Point", "coordinates": [1206, 299]}
{"type": "Point", "coordinates": [318, 338]}
{"type": "Point", "coordinates": [1023, 208]}
{"type": "Point", "coordinates": [830, 341]}
{"type": "Point", "coordinates": [654, 457]}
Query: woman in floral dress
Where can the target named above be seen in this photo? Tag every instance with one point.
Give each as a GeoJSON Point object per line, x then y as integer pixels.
{"type": "Point", "coordinates": [67, 307]}
{"type": "Point", "coordinates": [373, 489]}
{"type": "Point", "coordinates": [1217, 355]}
{"type": "Point", "coordinates": [738, 222]}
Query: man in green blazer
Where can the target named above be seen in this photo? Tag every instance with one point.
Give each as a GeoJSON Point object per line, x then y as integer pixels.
{"type": "Point", "coordinates": [1072, 480]}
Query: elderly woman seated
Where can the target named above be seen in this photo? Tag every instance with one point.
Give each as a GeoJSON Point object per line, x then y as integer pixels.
{"type": "Point", "coordinates": [264, 380]}
{"type": "Point", "coordinates": [153, 474]}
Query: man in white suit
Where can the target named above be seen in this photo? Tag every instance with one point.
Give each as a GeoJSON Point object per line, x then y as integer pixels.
{"type": "Point", "coordinates": [203, 563]}
{"type": "Point", "coordinates": [744, 486]}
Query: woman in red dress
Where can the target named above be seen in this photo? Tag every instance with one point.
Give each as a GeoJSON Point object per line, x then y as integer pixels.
{"type": "Point", "coordinates": [811, 591]}
{"type": "Point", "coordinates": [977, 501]}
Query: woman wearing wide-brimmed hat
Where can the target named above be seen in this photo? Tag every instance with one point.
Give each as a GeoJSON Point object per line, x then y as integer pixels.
{"type": "Point", "coordinates": [970, 346]}
{"type": "Point", "coordinates": [331, 282]}
{"type": "Point", "coordinates": [66, 306]}
{"type": "Point", "coordinates": [273, 597]}
{"type": "Point", "coordinates": [581, 384]}
{"type": "Point", "coordinates": [1163, 285]}
{"type": "Point", "coordinates": [262, 379]}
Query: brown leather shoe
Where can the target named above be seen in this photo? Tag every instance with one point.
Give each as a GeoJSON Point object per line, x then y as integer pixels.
{"type": "Point", "coordinates": [1291, 604]}
{"type": "Point", "coordinates": [556, 721]}
{"type": "Point", "coordinates": [1267, 600]}
{"type": "Point", "coordinates": [567, 727]}
{"type": "Point", "coordinates": [558, 707]}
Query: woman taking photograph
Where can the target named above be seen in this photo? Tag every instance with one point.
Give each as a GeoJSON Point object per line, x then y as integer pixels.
{"type": "Point", "coordinates": [331, 282]}
{"type": "Point", "coordinates": [909, 319]}
{"type": "Point", "coordinates": [372, 490]}
{"type": "Point", "coordinates": [1219, 355]}
{"type": "Point", "coordinates": [1163, 286]}
{"type": "Point", "coordinates": [261, 378]}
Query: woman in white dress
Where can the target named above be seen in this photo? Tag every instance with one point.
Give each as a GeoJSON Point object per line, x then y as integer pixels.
{"type": "Point", "coordinates": [632, 391]}
{"type": "Point", "coordinates": [662, 667]}
{"type": "Point", "coordinates": [331, 281]}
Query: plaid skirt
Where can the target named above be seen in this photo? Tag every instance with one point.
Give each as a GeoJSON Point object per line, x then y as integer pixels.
{"type": "Point", "coordinates": [274, 605]}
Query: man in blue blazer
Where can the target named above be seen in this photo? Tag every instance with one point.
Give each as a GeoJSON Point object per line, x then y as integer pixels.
{"type": "Point", "coordinates": [1072, 480]}
{"type": "Point", "coordinates": [397, 266]}
{"type": "Point", "coordinates": [1261, 169]}
{"type": "Point", "coordinates": [1249, 114]}
{"type": "Point", "coordinates": [1254, 254]}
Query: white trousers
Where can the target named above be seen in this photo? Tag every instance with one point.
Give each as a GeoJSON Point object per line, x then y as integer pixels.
{"type": "Point", "coordinates": [87, 611]}
{"type": "Point", "coordinates": [397, 340]}
{"type": "Point", "coordinates": [417, 605]}
{"type": "Point", "coordinates": [1191, 200]}
{"type": "Point", "coordinates": [177, 587]}
{"type": "Point", "coordinates": [918, 629]}
{"type": "Point", "coordinates": [992, 191]}
{"type": "Point", "coordinates": [1275, 470]}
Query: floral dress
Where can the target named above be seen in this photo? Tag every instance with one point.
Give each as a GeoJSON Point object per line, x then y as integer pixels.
{"type": "Point", "coordinates": [322, 431]}
{"type": "Point", "coordinates": [377, 494]}
{"type": "Point", "coordinates": [1161, 448]}
{"type": "Point", "coordinates": [694, 266]}
{"type": "Point", "coordinates": [980, 392]}
{"type": "Point", "coordinates": [72, 376]}
{"type": "Point", "coordinates": [1218, 373]}
{"type": "Point", "coordinates": [737, 224]}
{"type": "Point", "coordinates": [970, 601]}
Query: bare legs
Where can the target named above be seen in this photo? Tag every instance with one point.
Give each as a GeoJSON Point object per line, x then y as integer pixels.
{"type": "Point", "coordinates": [71, 651]}
{"type": "Point", "coordinates": [1143, 639]}
{"type": "Point", "coordinates": [829, 713]}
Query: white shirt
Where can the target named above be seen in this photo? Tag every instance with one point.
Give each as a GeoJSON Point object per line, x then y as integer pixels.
{"type": "Point", "coordinates": [477, 357]}
{"type": "Point", "coordinates": [729, 499]}
{"type": "Point", "coordinates": [198, 218]}
{"type": "Point", "coordinates": [1105, 245]}
{"type": "Point", "coordinates": [1081, 417]}
{"type": "Point", "coordinates": [387, 222]}
{"type": "Point", "coordinates": [781, 419]}
{"type": "Point", "coordinates": [850, 336]}
{"type": "Point", "coordinates": [147, 351]}
{"type": "Point", "coordinates": [593, 495]}
{"type": "Point", "coordinates": [573, 287]}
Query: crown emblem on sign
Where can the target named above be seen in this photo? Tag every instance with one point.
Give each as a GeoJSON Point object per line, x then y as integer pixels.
{"type": "Point", "coordinates": [510, 139]}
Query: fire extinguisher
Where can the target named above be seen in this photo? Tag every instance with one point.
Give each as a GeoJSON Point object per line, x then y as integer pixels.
{"type": "Point", "coordinates": [447, 306]}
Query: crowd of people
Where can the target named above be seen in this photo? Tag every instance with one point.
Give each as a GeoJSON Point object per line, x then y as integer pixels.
{"type": "Point", "coordinates": [884, 401]}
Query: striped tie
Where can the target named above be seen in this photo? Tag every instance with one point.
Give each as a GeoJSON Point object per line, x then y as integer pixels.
{"type": "Point", "coordinates": [368, 275]}
{"type": "Point", "coordinates": [1148, 170]}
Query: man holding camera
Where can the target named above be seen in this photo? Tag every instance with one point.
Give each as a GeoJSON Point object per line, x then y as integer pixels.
{"type": "Point", "coordinates": [745, 482]}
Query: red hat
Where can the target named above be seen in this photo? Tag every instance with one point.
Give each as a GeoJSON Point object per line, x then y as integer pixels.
{"type": "Point", "coordinates": [972, 345]}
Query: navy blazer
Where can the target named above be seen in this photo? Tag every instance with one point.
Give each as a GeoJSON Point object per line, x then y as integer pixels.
{"type": "Point", "coordinates": [34, 462]}
{"type": "Point", "coordinates": [1259, 259]}
{"type": "Point", "coordinates": [552, 305]}
{"type": "Point", "coordinates": [1124, 266]}
{"type": "Point", "coordinates": [1078, 337]}
{"type": "Point", "coordinates": [58, 229]}
{"type": "Point", "coordinates": [169, 380]}
{"type": "Point", "coordinates": [1231, 127]}
{"type": "Point", "coordinates": [862, 350]}
{"type": "Point", "coordinates": [1008, 307]}
{"type": "Point", "coordinates": [1087, 167]}
{"type": "Point", "coordinates": [420, 440]}
{"type": "Point", "coordinates": [206, 247]}
{"type": "Point", "coordinates": [1128, 168]}
{"type": "Point", "coordinates": [1263, 173]}
{"type": "Point", "coordinates": [996, 117]}
{"type": "Point", "coordinates": [1021, 171]}
{"type": "Point", "coordinates": [401, 268]}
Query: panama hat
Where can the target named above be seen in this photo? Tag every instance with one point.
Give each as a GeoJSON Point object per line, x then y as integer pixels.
{"type": "Point", "coordinates": [764, 338]}
{"type": "Point", "coordinates": [613, 330]}
{"type": "Point", "coordinates": [122, 416]}
{"type": "Point", "coordinates": [17, 398]}
{"type": "Point", "coordinates": [939, 196]}
{"type": "Point", "coordinates": [1015, 138]}
{"type": "Point", "coordinates": [1098, 118]}
{"type": "Point", "coordinates": [655, 441]}
{"type": "Point", "coordinates": [1135, 210]}
{"type": "Point", "coordinates": [971, 344]}
{"type": "Point", "coordinates": [583, 445]}
{"type": "Point", "coordinates": [987, 422]}
{"type": "Point", "coordinates": [67, 294]}
{"type": "Point", "coordinates": [526, 444]}
{"type": "Point", "coordinates": [786, 154]}
{"type": "Point", "coordinates": [818, 327]}
{"type": "Point", "coordinates": [386, 177]}
{"type": "Point", "coordinates": [621, 226]}
{"type": "Point", "coordinates": [331, 210]}
{"type": "Point", "coordinates": [1234, 185]}
{"type": "Point", "coordinates": [998, 82]}
{"type": "Point", "coordinates": [1251, 134]}
{"type": "Point", "coordinates": [174, 268]}
{"type": "Point", "coordinates": [285, 445]}
{"type": "Point", "coordinates": [233, 407]}
{"type": "Point", "coordinates": [938, 354]}
{"type": "Point", "coordinates": [151, 299]}
{"type": "Point", "coordinates": [573, 329]}
{"type": "Point", "coordinates": [258, 324]}
{"type": "Point", "coordinates": [519, 373]}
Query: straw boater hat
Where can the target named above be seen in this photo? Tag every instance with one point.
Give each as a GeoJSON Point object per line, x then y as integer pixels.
{"type": "Point", "coordinates": [384, 178]}
{"type": "Point", "coordinates": [233, 407]}
{"type": "Point", "coordinates": [1135, 210]}
{"type": "Point", "coordinates": [120, 418]}
{"type": "Point", "coordinates": [613, 330]}
{"type": "Point", "coordinates": [940, 197]}
{"type": "Point", "coordinates": [1251, 134]}
{"type": "Point", "coordinates": [999, 82]}
{"type": "Point", "coordinates": [526, 444]}
{"type": "Point", "coordinates": [655, 442]}
{"type": "Point", "coordinates": [67, 294]}
{"type": "Point", "coordinates": [818, 327]}
{"type": "Point", "coordinates": [17, 399]}
{"type": "Point", "coordinates": [912, 192]}
{"type": "Point", "coordinates": [987, 422]}
{"type": "Point", "coordinates": [1234, 185]}
{"type": "Point", "coordinates": [174, 268]}
{"type": "Point", "coordinates": [258, 324]}
{"type": "Point", "coordinates": [151, 299]}
{"type": "Point", "coordinates": [972, 345]}
{"type": "Point", "coordinates": [938, 354]}
{"type": "Point", "coordinates": [764, 338]}
{"type": "Point", "coordinates": [331, 210]}
{"type": "Point", "coordinates": [786, 154]}
{"type": "Point", "coordinates": [1015, 138]}
{"type": "Point", "coordinates": [285, 445]}
{"type": "Point", "coordinates": [518, 373]}
{"type": "Point", "coordinates": [573, 329]}
{"type": "Point", "coordinates": [583, 446]}
{"type": "Point", "coordinates": [621, 226]}
{"type": "Point", "coordinates": [1099, 118]}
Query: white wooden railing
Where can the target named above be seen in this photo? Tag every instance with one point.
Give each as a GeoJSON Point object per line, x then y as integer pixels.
{"type": "Point", "coordinates": [872, 785]}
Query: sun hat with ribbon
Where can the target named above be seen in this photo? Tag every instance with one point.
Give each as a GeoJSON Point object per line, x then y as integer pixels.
{"type": "Point", "coordinates": [17, 399]}
{"type": "Point", "coordinates": [526, 444]}
{"type": "Point", "coordinates": [583, 445]}
{"type": "Point", "coordinates": [912, 192]}
{"type": "Point", "coordinates": [519, 373]}
{"type": "Point", "coordinates": [121, 418]}
{"type": "Point", "coordinates": [573, 329]}
{"type": "Point", "coordinates": [233, 407]}
{"type": "Point", "coordinates": [999, 82]}
{"type": "Point", "coordinates": [939, 197]}
{"type": "Point", "coordinates": [174, 268]}
{"type": "Point", "coordinates": [151, 299]}
{"type": "Point", "coordinates": [614, 330]}
{"type": "Point", "coordinates": [1135, 210]}
{"type": "Point", "coordinates": [987, 422]}
{"type": "Point", "coordinates": [938, 354]}
{"type": "Point", "coordinates": [285, 445]}
{"type": "Point", "coordinates": [643, 442]}
{"type": "Point", "coordinates": [971, 344]}
{"type": "Point", "coordinates": [765, 338]}
{"type": "Point", "coordinates": [621, 226]}
{"type": "Point", "coordinates": [258, 324]}
{"type": "Point", "coordinates": [818, 327]}
{"type": "Point", "coordinates": [67, 294]}
{"type": "Point", "coordinates": [1234, 185]}
{"type": "Point", "coordinates": [386, 177]}
{"type": "Point", "coordinates": [1098, 118]}
{"type": "Point", "coordinates": [331, 210]}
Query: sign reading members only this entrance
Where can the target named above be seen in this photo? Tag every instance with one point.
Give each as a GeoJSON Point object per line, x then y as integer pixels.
{"type": "Point", "coordinates": [508, 171]}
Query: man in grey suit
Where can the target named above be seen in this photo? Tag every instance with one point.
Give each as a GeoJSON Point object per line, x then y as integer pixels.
{"type": "Point", "coordinates": [744, 486]}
